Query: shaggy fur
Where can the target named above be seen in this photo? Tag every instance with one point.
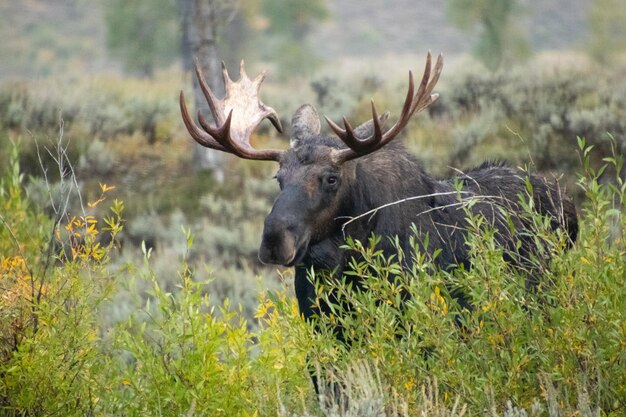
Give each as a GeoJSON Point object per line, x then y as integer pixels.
{"type": "Point", "coordinates": [392, 174]}
{"type": "Point", "coordinates": [323, 200]}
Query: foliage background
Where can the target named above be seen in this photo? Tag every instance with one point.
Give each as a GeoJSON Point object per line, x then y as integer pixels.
{"type": "Point", "coordinates": [129, 279]}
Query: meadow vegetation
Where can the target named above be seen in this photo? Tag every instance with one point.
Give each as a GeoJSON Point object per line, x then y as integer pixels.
{"type": "Point", "coordinates": [130, 286]}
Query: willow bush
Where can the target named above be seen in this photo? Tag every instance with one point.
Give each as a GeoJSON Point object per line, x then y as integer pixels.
{"type": "Point", "coordinates": [556, 349]}
{"type": "Point", "coordinates": [561, 343]}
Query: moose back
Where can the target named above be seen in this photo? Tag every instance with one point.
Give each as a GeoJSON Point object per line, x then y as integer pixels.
{"type": "Point", "coordinates": [328, 182]}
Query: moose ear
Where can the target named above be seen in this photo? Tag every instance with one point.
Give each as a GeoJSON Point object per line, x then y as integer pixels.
{"type": "Point", "coordinates": [367, 129]}
{"type": "Point", "coordinates": [304, 123]}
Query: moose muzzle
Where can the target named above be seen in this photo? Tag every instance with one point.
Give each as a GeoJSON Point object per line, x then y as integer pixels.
{"type": "Point", "coordinates": [285, 238]}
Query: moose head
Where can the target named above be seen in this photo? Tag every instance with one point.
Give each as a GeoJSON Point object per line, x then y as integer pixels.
{"type": "Point", "coordinates": [317, 174]}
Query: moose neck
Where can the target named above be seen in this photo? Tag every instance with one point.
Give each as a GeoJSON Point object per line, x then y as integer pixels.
{"type": "Point", "coordinates": [386, 178]}
{"type": "Point", "coordinates": [381, 180]}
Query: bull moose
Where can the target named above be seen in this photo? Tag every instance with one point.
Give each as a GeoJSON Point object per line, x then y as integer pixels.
{"type": "Point", "coordinates": [327, 184]}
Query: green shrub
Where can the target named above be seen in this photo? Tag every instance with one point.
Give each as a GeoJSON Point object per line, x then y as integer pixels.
{"type": "Point", "coordinates": [546, 111]}
{"type": "Point", "coordinates": [54, 283]}
{"type": "Point", "coordinates": [100, 107]}
{"type": "Point", "coordinates": [563, 342]}
{"type": "Point", "coordinates": [62, 354]}
{"type": "Point", "coordinates": [85, 329]}
{"type": "Point", "coordinates": [179, 354]}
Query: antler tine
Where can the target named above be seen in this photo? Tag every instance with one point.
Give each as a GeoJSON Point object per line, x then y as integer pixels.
{"type": "Point", "coordinates": [242, 70]}
{"type": "Point", "coordinates": [378, 130]}
{"type": "Point", "coordinates": [405, 113]}
{"type": "Point", "coordinates": [216, 105]}
{"type": "Point", "coordinates": [225, 76]}
{"type": "Point", "coordinates": [221, 133]}
{"type": "Point", "coordinates": [260, 78]}
{"type": "Point", "coordinates": [236, 115]}
{"type": "Point", "coordinates": [423, 84]}
{"type": "Point", "coordinates": [202, 137]}
{"type": "Point", "coordinates": [413, 103]}
{"type": "Point", "coordinates": [424, 97]}
{"type": "Point", "coordinates": [360, 145]}
{"type": "Point", "coordinates": [428, 97]}
{"type": "Point", "coordinates": [335, 128]}
{"type": "Point", "coordinates": [349, 138]}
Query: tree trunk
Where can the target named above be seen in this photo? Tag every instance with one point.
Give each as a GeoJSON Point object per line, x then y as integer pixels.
{"type": "Point", "coordinates": [185, 8]}
{"type": "Point", "coordinates": [200, 30]}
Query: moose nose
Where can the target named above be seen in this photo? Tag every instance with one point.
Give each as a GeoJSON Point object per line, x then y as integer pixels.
{"type": "Point", "coordinates": [278, 245]}
{"type": "Point", "coordinates": [284, 231]}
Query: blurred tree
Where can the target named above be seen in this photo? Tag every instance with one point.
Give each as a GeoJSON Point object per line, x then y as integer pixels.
{"type": "Point", "coordinates": [203, 22]}
{"type": "Point", "coordinates": [146, 33]}
{"type": "Point", "coordinates": [607, 23]}
{"type": "Point", "coordinates": [286, 24]}
{"type": "Point", "coordinates": [211, 24]}
{"type": "Point", "coordinates": [143, 34]}
{"type": "Point", "coordinates": [500, 40]}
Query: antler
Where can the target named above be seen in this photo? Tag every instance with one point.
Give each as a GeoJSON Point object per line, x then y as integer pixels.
{"type": "Point", "coordinates": [358, 147]}
{"type": "Point", "coordinates": [236, 116]}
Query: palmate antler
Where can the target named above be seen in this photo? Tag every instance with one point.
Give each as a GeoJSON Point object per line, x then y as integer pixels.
{"type": "Point", "coordinates": [358, 147]}
{"type": "Point", "coordinates": [237, 115]}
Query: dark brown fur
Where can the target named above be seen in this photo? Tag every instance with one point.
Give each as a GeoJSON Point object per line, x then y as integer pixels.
{"type": "Point", "coordinates": [305, 228]}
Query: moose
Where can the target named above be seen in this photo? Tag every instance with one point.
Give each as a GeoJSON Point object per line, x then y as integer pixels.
{"type": "Point", "coordinates": [360, 182]}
